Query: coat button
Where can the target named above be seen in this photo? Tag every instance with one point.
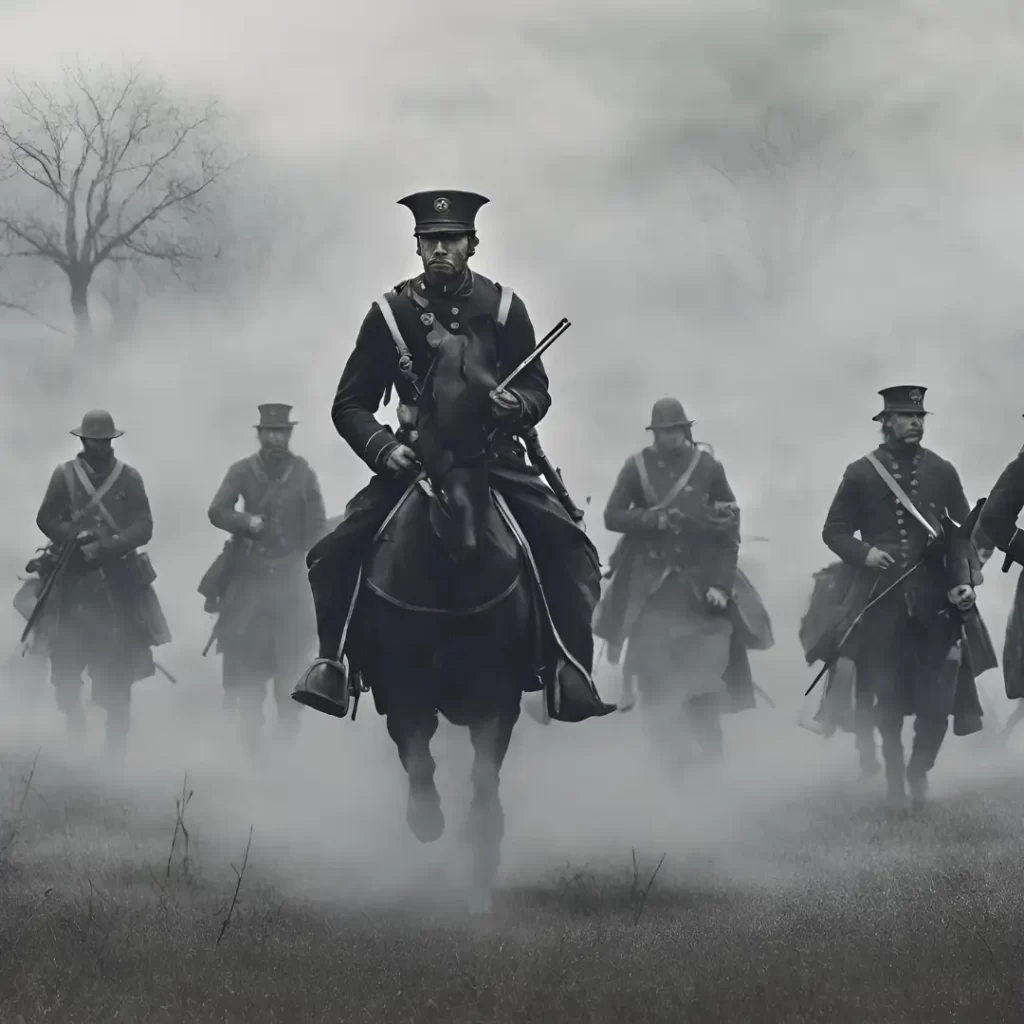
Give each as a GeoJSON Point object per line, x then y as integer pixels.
{"type": "Point", "coordinates": [455, 325]}
{"type": "Point", "coordinates": [455, 310]}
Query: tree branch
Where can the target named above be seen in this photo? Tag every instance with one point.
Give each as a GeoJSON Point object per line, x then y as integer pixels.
{"type": "Point", "coordinates": [17, 307]}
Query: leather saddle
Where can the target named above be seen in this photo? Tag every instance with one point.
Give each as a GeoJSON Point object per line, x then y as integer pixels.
{"type": "Point", "coordinates": [410, 567]}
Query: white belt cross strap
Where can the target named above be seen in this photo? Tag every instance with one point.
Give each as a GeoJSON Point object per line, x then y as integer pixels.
{"type": "Point", "coordinates": [677, 487]}
{"type": "Point", "coordinates": [901, 495]}
{"type": "Point", "coordinates": [95, 495]}
{"type": "Point", "coordinates": [405, 364]}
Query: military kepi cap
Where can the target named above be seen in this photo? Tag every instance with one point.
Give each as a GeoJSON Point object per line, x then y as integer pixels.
{"type": "Point", "coordinates": [97, 425]}
{"type": "Point", "coordinates": [905, 398]}
{"type": "Point", "coordinates": [275, 416]}
{"type": "Point", "coordinates": [444, 213]}
{"type": "Point", "coordinates": [668, 413]}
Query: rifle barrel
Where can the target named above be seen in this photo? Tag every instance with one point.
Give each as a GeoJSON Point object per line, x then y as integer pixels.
{"type": "Point", "coordinates": [542, 346]}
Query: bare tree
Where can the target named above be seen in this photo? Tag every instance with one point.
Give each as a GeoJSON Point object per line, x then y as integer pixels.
{"type": "Point", "coordinates": [113, 171]}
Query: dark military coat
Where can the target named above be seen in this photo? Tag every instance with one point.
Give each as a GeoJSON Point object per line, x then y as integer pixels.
{"type": "Point", "coordinates": [105, 606]}
{"type": "Point", "coordinates": [864, 505]}
{"type": "Point", "coordinates": [702, 554]}
{"type": "Point", "coordinates": [373, 367]}
{"type": "Point", "coordinates": [865, 514]}
{"type": "Point", "coordinates": [262, 585]}
{"type": "Point", "coordinates": [998, 521]}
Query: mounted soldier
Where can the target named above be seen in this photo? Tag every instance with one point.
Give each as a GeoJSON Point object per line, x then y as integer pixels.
{"type": "Point", "coordinates": [903, 618]}
{"type": "Point", "coordinates": [257, 587]}
{"type": "Point", "coordinates": [95, 605]}
{"type": "Point", "coordinates": [423, 587]}
{"type": "Point", "coordinates": [677, 600]}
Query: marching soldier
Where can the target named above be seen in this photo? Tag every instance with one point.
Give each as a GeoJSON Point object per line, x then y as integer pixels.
{"type": "Point", "coordinates": [257, 586]}
{"type": "Point", "coordinates": [103, 615]}
{"type": "Point", "coordinates": [917, 642]}
{"type": "Point", "coordinates": [676, 596]}
{"type": "Point", "coordinates": [392, 351]}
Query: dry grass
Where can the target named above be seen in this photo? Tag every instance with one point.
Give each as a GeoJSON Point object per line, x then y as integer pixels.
{"type": "Point", "coordinates": [140, 935]}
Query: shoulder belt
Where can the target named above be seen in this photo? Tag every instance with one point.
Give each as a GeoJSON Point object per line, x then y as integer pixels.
{"type": "Point", "coordinates": [677, 487]}
{"type": "Point", "coordinates": [95, 495]}
{"type": "Point", "coordinates": [504, 304]}
{"type": "Point", "coordinates": [405, 364]}
{"type": "Point", "coordinates": [404, 357]}
{"type": "Point", "coordinates": [900, 494]}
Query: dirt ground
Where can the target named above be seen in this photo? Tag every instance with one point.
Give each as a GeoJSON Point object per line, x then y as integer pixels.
{"type": "Point", "coordinates": [827, 909]}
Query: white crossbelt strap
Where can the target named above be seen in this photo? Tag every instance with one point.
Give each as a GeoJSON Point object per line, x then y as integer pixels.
{"type": "Point", "coordinates": [900, 495]}
{"type": "Point", "coordinates": [505, 304]}
{"type": "Point", "coordinates": [677, 487]}
{"type": "Point", "coordinates": [95, 495]}
{"type": "Point", "coordinates": [404, 356]}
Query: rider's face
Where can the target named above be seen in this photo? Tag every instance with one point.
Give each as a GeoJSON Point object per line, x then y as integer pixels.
{"type": "Point", "coordinates": [444, 257]}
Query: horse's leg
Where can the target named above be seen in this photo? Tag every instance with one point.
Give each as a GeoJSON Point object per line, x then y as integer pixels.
{"type": "Point", "coordinates": [486, 825]}
{"type": "Point", "coordinates": [412, 728]}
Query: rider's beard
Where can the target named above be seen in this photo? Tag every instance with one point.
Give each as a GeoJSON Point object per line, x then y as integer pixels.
{"type": "Point", "coordinates": [442, 273]}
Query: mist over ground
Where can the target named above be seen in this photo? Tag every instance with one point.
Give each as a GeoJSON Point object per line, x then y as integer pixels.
{"type": "Point", "coordinates": [767, 210]}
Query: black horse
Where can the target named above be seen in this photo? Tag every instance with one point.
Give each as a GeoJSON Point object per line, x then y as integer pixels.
{"type": "Point", "coordinates": [447, 613]}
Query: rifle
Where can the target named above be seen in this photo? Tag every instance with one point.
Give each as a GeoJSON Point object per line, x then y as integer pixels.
{"type": "Point", "coordinates": [49, 582]}
{"type": "Point", "coordinates": [530, 437]}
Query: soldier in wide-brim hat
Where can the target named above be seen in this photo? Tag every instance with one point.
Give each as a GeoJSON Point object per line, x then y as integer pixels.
{"type": "Point", "coordinates": [104, 617]}
{"type": "Point", "coordinates": [677, 597]}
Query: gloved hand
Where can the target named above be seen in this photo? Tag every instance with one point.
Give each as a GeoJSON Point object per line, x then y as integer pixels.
{"type": "Point", "coordinates": [506, 405]}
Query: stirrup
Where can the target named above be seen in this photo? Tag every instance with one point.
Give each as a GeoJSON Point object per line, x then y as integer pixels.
{"type": "Point", "coordinates": [325, 687]}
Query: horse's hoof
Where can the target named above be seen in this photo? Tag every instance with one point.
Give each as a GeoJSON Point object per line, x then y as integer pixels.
{"type": "Point", "coordinates": [424, 814]}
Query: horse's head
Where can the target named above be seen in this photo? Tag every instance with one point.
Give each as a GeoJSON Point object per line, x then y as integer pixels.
{"type": "Point", "coordinates": [454, 425]}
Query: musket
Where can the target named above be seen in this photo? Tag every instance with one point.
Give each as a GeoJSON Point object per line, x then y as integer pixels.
{"type": "Point", "coordinates": [542, 346]}
{"type": "Point", "coordinates": [63, 557]}
{"type": "Point", "coordinates": [834, 656]}
{"type": "Point", "coordinates": [530, 437]}
{"type": "Point", "coordinates": [553, 476]}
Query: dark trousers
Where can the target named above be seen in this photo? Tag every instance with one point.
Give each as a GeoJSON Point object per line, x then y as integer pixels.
{"type": "Point", "coordinates": [245, 676]}
{"type": "Point", "coordinates": [111, 689]}
{"type": "Point", "coordinates": [902, 671]}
